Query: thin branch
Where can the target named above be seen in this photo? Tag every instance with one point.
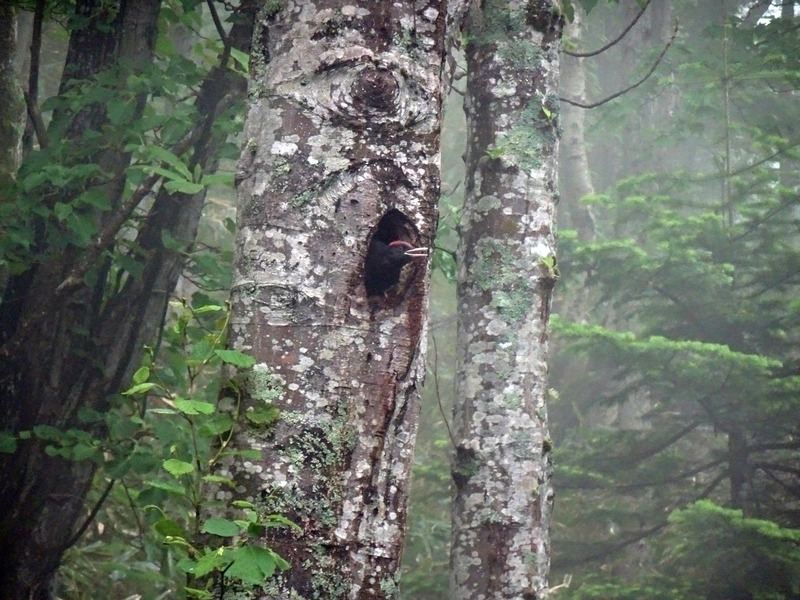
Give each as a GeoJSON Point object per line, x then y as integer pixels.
{"type": "Point", "coordinates": [92, 515]}
{"type": "Point", "coordinates": [436, 389]}
{"type": "Point", "coordinates": [621, 545]}
{"type": "Point", "coordinates": [217, 23]}
{"type": "Point", "coordinates": [612, 42]}
{"type": "Point", "coordinates": [35, 115]}
{"type": "Point", "coordinates": [444, 250]}
{"type": "Point", "coordinates": [132, 505]}
{"type": "Point", "coordinates": [32, 93]}
{"type": "Point", "coordinates": [630, 87]}
{"type": "Point", "coordinates": [102, 242]}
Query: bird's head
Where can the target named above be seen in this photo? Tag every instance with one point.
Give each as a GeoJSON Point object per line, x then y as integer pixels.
{"type": "Point", "coordinates": [408, 249]}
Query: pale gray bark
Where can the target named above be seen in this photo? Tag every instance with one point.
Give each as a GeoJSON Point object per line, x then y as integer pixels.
{"type": "Point", "coordinates": [12, 112]}
{"type": "Point", "coordinates": [575, 181]}
{"type": "Point", "coordinates": [503, 494]}
{"type": "Point", "coordinates": [341, 144]}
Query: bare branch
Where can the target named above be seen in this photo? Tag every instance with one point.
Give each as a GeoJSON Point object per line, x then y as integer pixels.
{"type": "Point", "coordinates": [630, 87]}
{"type": "Point", "coordinates": [217, 23]}
{"type": "Point", "coordinates": [612, 42]}
{"type": "Point", "coordinates": [436, 388]}
{"type": "Point", "coordinates": [35, 115]}
{"type": "Point", "coordinates": [91, 517]}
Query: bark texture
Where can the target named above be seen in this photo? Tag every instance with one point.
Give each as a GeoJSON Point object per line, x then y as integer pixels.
{"type": "Point", "coordinates": [506, 256]}
{"type": "Point", "coordinates": [341, 145]}
{"type": "Point", "coordinates": [12, 107]}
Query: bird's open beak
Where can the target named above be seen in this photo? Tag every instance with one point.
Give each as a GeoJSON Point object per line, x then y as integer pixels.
{"type": "Point", "coordinates": [420, 252]}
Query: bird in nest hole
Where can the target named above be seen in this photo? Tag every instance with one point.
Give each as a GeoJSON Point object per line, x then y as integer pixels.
{"type": "Point", "coordinates": [384, 263]}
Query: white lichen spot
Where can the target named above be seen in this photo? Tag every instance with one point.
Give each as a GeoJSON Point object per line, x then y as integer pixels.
{"type": "Point", "coordinates": [430, 14]}
{"type": "Point", "coordinates": [283, 148]}
{"type": "Point", "coordinates": [354, 11]}
{"type": "Point", "coordinates": [497, 327]}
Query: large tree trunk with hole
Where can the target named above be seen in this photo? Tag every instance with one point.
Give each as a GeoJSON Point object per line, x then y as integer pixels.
{"type": "Point", "coordinates": [67, 347]}
{"type": "Point", "coordinates": [340, 150]}
{"type": "Point", "coordinates": [503, 495]}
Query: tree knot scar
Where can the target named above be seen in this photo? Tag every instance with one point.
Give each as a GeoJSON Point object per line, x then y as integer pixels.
{"type": "Point", "coordinates": [377, 89]}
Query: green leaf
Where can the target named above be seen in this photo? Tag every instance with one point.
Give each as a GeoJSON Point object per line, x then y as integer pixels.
{"type": "Point", "coordinates": [168, 527]}
{"type": "Point", "coordinates": [186, 564]}
{"type": "Point", "coordinates": [8, 442]}
{"type": "Point", "coordinates": [84, 451]}
{"type": "Point", "coordinates": [225, 179]}
{"type": "Point", "coordinates": [139, 388]}
{"type": "Point", "coordinates": [221, 527]}
{"type": "Point", "coordinates": [194, 407]}
{"type": "Point", "coordinates": [184, 187]}
{"type": "Point", "coordinates": [496, 152]}
{"type": "Point", "coordinates": [120, 110]}
{"type": "Point", "coordinates": [263, 415]}
{"type": "Point", "coordinates": [141, 375]}
{"type": "Point", "coordinates": [281, 521]}
{"type": "Point", "coordinates": [94, 197]}
{"type": "Point", "coordinates": [236, 358]}
{"type": "Point", "coordinates": [208, 308]}
{"type": "Point", "coordinates": [62, 211]}
{"type": "Point", "coordinates": [202, 351]}
{"type": "Point", "coordinates": [242, 58]}
{"type": "Point", "coordinates": [178, 467]}
{"type": "Point", "coordinates": [216, 425]}
{"type": "Point", "coordinates": [162, 411]}
{"type": "Point", "coordinates": [48, 432]}
{"type": "Point", "coordinates": [167, 487]}
{"type": "Point", "coordinates": [219, 480]}
{"type": "Point", "coordinates": [213, 560]}
{"type": "Point", "coordinates": [84, 226]}
{"type": "Point", "coordinates": [254, 565]}
{"type": "Point", "coordinates": [250, 453]}
{"type": "Point", "coordinates": [171, 159]}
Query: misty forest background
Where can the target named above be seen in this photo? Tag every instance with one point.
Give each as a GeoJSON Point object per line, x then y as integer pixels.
{"type": "Point", "coordinates": [675, 370]}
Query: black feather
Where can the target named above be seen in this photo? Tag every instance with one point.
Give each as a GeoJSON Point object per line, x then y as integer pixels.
{"type": "Point", "coordinates": [383, 265]}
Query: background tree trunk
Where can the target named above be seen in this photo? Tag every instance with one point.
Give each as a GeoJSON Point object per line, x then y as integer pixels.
{"type": "Point", "coordinates": [341, 148]}
{"type": "Point", "coordinates": [12, 111]}
{"type": "Point", "coordinates": [575, 179]}
{"type": "Point", "coordinates": [503, 495]}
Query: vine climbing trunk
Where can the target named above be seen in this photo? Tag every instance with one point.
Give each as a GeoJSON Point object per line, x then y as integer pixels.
{"type": "Point", "coordinates": [507, 269]}
{"type": "Point", "coordinates": [340, 155]}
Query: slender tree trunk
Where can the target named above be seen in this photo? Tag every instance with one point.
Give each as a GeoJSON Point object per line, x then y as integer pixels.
{"type": "Point", "coordinates": [12, 113]}
{"type": "Point", "coordinates": [503, 494]}
{"type": "Point", "coordinates": [575, 180]}
{"type": "Point", "coordinates": [340, 149]}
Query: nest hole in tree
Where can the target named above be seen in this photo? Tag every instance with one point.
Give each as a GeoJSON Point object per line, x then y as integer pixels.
{"type": "Point", "coordinates": [383, 274]}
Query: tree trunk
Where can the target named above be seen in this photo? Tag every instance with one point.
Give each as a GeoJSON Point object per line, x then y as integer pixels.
{"type": "Point", "coordinates": [575, 180]}
{"type": "Point", "coordinates": [503, 496]}
{"type": "Point", "coordinates": [12, 113]}
{"type": "Point", "coordinates": [340, 150]}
